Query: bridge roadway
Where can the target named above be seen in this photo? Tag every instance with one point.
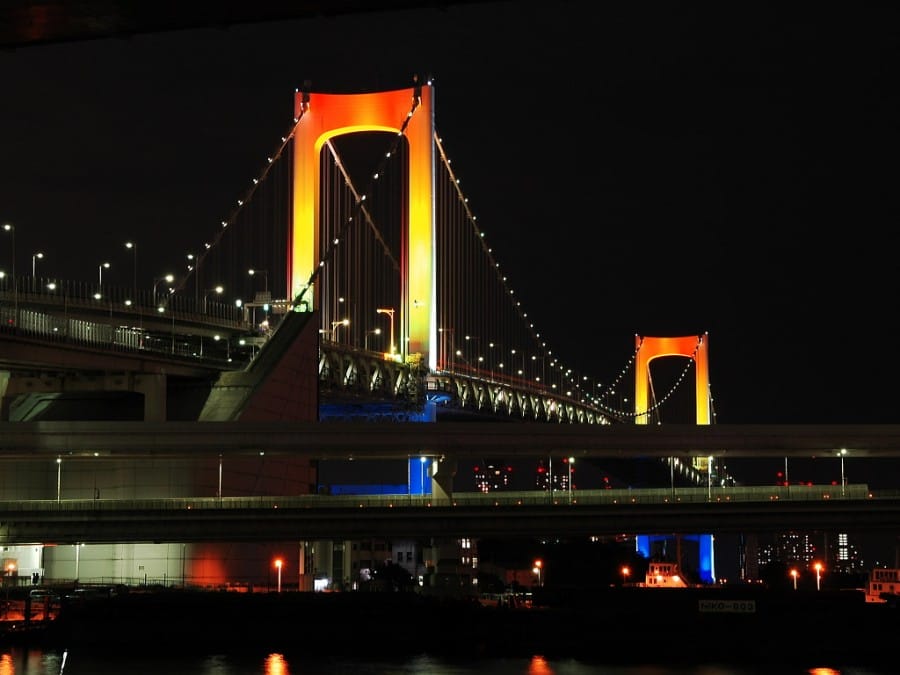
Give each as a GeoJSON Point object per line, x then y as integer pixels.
{"type": "Point", "coordinates": [297, 518]}
{"type": "Point", "coordinates": [462, 441]}
{"type": "Point", "coordinates": [532, 514]}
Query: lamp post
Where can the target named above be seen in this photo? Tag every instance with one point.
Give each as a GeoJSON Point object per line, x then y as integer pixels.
{"type": "Point", "coordinates": [265, 273]}
{"type": "Point", "coordinates": [12, 232]}
{"type": "Point", "coordinates": [99, 293]}
{"type": "Point", "coordinates": [469, 360]}
{"type": "Point", "coordinates": [424, 472]}
{"type": "Point", "coordinates": [133, 246]}
{"type": "Point", "coordinates": [377, 331]}
{"type": "Point", "coordinates": [843, 475]}
{"type": "Point", "coordinates": [521, 370]}
{"type": "Point", "coordinates": [168, 278]}
{"type": "Point", "coordinates": [534, 372]}
{"type": "Point", "coordinates": [335, 325]}
{"type": "Point", "coordinates": [626, 571]}
{"type": "Point", "coordinates": [818, 568]}
{"type": "Point", "coordinates": [390, 312]}
{"type": "Point", "coordinates": [218, 290]}
{"type": "Point", "coordinates": [446, 354]}
{"type": "Point", "coordinates": [34, 259]}
{"type": "Point", "coordinates": [7, 227]}
{"type": "Point", "coordinates": [58, 478]}
{"type": "Point", "coordinates": [278, 565]}
{"type": "Point", "coordinates": [571, 464]}
{"type": "Point", "coordinates": [538, 566]}
{"type": "Point", "coordinates": [794, 575]}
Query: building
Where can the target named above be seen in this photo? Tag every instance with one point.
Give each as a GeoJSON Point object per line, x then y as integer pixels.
{"type": "Point", "coordinates": [557, 478]}
{"type": "Point", "coordinates": [493, 476]}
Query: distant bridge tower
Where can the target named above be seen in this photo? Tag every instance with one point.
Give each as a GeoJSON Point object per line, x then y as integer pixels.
{"type": "Point", "coordinates": [649, 348]}
{"type": "Point", "coordinates": [324, 116]}
{"type": "Point", "coordinates": [695, 347]}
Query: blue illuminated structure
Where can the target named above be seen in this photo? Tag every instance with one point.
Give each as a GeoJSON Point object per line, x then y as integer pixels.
{"type": "Point", "coordinates": [648, 544]}
{"type": "Point", "coordinates": [419, 483]}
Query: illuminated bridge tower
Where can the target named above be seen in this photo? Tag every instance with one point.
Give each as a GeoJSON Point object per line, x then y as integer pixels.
{"type": "Point", "coordinates": [324, 116]}
{"type": "Point", "coordinates": [694, 347]}
{"type": "Point", "coordinates": [409, 112]}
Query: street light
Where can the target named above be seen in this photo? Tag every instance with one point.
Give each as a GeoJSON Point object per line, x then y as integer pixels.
{"type": "Point", "coordinates": [12, 231]}
{"type": "Point", "coordinates": [390, 312]}
{"type": "Point", "coordinates": [794, 575]}
{"type": "Point", "coordinates": [446, 348]}
{"type": "Point", "coordinates": [278, 565]}
{"type": "Point", "coordinates": [534, 369]}
{"type": "Point", "coordinates": [99, 293]}
{"type": "Point", "coordinates": [469, 359]}
{"type": "Point", "coordinates": [538, 566]}
{"type": "Point", "coordinates": [34, 259]}
{"type": "Point", "coordinates": [843, 475]}
{"type": "Point", "coordinates": [265, 273]}
{"type": "Point", "coordinates": [571, 464]}
{"type": "Point", "coordinates": [626, 571]}
{"type": "Point", "coordinates": [521, 371]}
{"type": "Point", "coordinates": [218, 290]}
{"type": "Point", "coordinates": [168, 278]}
{"type": "Point", "coordinates": [133, 246]}
{"type": "Point", "coordinates": [335, 325]}
{"type": "Point", "coordinates": [424, 472]}
{"type": "Point", "coordinates": [377, 331]}
{"type": "Point", "coordinates": [818, 568]}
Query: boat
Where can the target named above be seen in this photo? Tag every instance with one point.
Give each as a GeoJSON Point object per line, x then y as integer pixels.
{"type": "Point", "coordinates": [883, 585]}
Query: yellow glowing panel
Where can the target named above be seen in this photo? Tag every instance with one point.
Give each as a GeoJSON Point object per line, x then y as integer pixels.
{"type": "Point", "coordinates": [324, 116]}
{"type": "Point", "coordinates": [649, 348]}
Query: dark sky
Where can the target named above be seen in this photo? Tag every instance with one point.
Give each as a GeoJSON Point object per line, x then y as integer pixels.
{"type": "Point", "coordinates": [659, 168]}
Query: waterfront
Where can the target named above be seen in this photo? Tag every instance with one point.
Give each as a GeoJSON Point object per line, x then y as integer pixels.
{"type": "Point", "coordinates": [611, 632]}
{"type": "Point", "coordinates": [156, 659]}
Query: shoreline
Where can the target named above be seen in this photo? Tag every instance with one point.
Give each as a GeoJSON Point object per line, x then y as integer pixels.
{"type": "Point", "coordinates": [614, 625]}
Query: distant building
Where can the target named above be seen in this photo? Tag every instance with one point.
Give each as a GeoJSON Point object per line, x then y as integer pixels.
{"type": "Point", "coordinates": [836, 550]}
{"type": "Point", "coordinates": [843, 555]}
{"type": "Point", "coordinates": [790, 547]}
{"type": "Point", "coordinates": [493, 476]}
{"type": "Point", "coordinates": [547, 475]}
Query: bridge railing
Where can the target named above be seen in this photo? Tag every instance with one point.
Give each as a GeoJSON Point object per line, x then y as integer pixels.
{"type": "Point", "coordinates": [125, 301]}
{"type": "Point", "coordinates": [459, 499]}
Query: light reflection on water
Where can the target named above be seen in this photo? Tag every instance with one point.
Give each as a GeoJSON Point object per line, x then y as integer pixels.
{"type": "Point", "coordinates": [34, 661]}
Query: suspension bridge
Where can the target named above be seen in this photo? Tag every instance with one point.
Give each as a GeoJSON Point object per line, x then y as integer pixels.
{"type": "Point", "coordinates": [357, 216]}
{"type": "Point", "coordinates": [351, 281]}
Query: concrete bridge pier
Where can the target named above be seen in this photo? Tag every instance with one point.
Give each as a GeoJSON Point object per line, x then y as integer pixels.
{"type": "Point", "coordinates": [153, 387]}
{"type": "Point", "coordinates": [4, 402]}
{"type": "Point", "coordinates": [442, 479]}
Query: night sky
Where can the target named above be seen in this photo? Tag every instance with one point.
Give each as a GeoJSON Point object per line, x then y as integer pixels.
{"type": "Point", "coordinates": [655, 169]}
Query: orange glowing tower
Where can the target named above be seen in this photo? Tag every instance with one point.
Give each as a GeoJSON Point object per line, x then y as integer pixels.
{"type": "Point", "coordinates": [324, 116]}
{"type": "Point", "coordinates": [649, 348]}
{"type": "Point", "coordinates": [696, 348]}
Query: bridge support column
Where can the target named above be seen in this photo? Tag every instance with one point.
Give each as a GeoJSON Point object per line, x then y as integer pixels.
{"type": "Point", "coordinates": [153, 387]}
{"type": "Point", "coordinates": [442, 479]}
{"type": "Point", "coordinates": [4, 403]}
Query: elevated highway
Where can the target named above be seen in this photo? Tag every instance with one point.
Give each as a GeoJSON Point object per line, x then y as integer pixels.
{"type": "Point", "coordinates": [532, 514]}
{"type": "Point", "coordinates": [374, 440]}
